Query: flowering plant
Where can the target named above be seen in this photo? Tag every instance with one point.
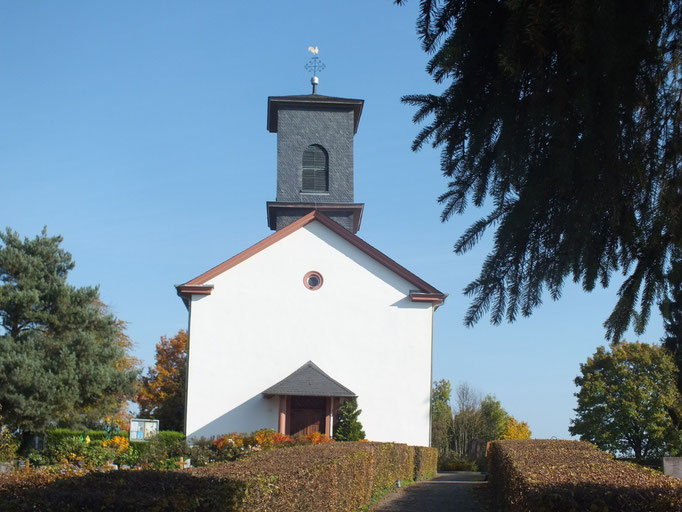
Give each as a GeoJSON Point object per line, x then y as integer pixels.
{"type": "Point", "coordinates": [120, 443]}
{"type": "Point", "coordinates": [317, 438]}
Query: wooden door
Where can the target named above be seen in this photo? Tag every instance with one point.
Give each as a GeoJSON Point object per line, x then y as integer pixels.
{"type": "Point", "coordinates": [308, 415]}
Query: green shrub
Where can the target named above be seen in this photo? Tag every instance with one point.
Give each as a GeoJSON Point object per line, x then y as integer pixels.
{"type": "Point", "coordinates": [555, 476]}
{"type": "Point", "coordinates": [131, 457]}
{"type": "Point", "coordinates": [202, 452]}
{"type": "Point", "coordinates": [37, 458]}
{"type": "Point", "coordinates": [73, 450]}
{"type": "Point", "coordinates": [452, 462]}
{"type": "Point", "coordinates": [159, 451]}
{"type": "Point", "coordinates": [171, 437]}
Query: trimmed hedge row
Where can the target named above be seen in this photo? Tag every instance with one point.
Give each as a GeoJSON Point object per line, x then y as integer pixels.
{"type": "Point", "coordinates": [552, 475]}
{"type": "Point", "coordinates": [54, 435]}
{"type": "Point", "coordinates": [335, 476]}
{"type": "Point", "coordinates": [425, 462]}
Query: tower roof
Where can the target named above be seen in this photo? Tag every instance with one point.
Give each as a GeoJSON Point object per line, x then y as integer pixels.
{"type": "Point", "coordinates": [312, 100]}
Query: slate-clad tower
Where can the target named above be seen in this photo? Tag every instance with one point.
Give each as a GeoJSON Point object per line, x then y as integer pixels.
{"type": "Point", "coordinates": [314, 158]}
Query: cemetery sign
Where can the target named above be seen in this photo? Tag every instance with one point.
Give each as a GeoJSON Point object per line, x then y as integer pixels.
{"type": "Point", "coordinates": [143, 430]}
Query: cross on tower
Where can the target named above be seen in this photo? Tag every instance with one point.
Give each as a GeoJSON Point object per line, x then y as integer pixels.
{"type": "Point", "coordinates": [314, 65]}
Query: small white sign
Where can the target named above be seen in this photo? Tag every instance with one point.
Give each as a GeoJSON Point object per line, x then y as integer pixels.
{"type": "Point", "coordinates": [143, 430]}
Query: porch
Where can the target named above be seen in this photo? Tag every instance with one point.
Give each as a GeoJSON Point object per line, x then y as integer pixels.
{"type": "Point", "coordinates": [309, 400]}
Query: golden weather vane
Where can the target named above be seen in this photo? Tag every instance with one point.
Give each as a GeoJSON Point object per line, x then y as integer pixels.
{"type": "Point", "coordinates": [314, 65]}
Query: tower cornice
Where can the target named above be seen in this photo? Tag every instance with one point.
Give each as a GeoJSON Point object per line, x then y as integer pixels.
{"type": "Point", "coordinates": [312, 100]}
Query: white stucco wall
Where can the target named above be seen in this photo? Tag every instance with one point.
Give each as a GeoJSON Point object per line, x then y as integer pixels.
{"type": "Point", "coordinates": [261, 323]}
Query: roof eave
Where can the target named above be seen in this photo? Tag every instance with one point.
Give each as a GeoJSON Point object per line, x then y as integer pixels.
{"type": "Point", "coordinates": [436, 299]}
{"type": "Point", "coordinates": [274, 102]}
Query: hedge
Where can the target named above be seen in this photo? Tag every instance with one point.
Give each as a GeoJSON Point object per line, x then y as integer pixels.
{"type": "Point", "coordinates": [425, 462]}
{"type": "Point", "coordinates": [341, 477]}
{"type": "Point", "coordinates": [564, 476]}
{"type": "Point", "coordinates": [54, 435]}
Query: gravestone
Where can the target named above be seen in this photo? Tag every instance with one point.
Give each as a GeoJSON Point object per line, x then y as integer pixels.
{"type": "Point", "coordinates": [672, 466]}
{"type": "Point", "coordinates": [5, 468]}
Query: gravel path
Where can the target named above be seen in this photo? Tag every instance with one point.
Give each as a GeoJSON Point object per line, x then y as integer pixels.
{"type": "Point", "coordinates": [456, 491]}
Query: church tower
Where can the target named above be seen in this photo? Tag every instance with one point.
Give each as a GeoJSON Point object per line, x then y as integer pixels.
{"type": "Point", "coordinates": [314, 158]}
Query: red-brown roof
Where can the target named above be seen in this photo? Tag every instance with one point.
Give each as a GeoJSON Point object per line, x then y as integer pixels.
{"type": "Point", "coordinates": [424, 293]}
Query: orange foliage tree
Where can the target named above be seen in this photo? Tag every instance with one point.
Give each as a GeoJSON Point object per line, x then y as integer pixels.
{"type": "Point", "coordinates": [162, 389]}
{"type": "Point", "coordinates": [516, 429]}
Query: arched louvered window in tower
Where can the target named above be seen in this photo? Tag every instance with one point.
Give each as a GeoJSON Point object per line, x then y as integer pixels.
{"type": "Point", "coordinates": [315, 170]}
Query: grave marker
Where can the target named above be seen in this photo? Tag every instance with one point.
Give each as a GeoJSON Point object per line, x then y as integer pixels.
{"type": "Point", "coordinates": [182, 463]}
{"type": "Point", "coordinates": [672, 466]}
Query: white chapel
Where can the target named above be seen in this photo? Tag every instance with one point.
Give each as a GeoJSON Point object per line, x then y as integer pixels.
{"type": "Point", "coordinates": [285, 331]}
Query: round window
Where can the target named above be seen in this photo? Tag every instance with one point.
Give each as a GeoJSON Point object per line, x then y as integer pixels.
{"type": "Point", "coordinates": [312, 280]}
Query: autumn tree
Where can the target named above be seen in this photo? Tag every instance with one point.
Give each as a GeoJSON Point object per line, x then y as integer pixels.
{"type": "Point", "coordinates": [513, 429]}
{"type": "Point", "coordinates": [562, 119]}
{"type": "Point", "coordinates": [624, 399]}
{"type": "Point", "coordinates": [441, 416]}
{"type": "Point", "coordinates": [162, 389]}
{"type": "Point", "coordinates": [61, 354]}
{"type": "Point", "coordinates": [481, 420]}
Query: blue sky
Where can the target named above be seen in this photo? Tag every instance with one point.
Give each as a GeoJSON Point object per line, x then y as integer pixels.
{"type": "Point", "coordinates": [137, 131]}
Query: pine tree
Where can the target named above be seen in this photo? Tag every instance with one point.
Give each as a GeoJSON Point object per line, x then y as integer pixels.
{"type": "Point", "coordinates": [61, 353]}
{"type": "Point", "coordinates": [562, 119]}
{"type": "Point", "coordinates": [348, 427]}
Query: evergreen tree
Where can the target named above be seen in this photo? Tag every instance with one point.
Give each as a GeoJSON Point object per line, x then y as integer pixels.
{"type": "Point", "coordinates": [60, 350]}
{"type": "Point", "coordinates": [162, 390]}
{"type": "Point", "coordinates": [563, 120]}
{"type": "Point", "coordinates": [347, 426]}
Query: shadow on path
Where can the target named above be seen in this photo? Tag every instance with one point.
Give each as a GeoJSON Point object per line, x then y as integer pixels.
{"type": "Point", "coordinates": [461, 491]}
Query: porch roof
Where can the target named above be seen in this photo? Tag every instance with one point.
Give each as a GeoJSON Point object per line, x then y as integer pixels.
{"type": "Point", "coordinates": [309, 380]}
